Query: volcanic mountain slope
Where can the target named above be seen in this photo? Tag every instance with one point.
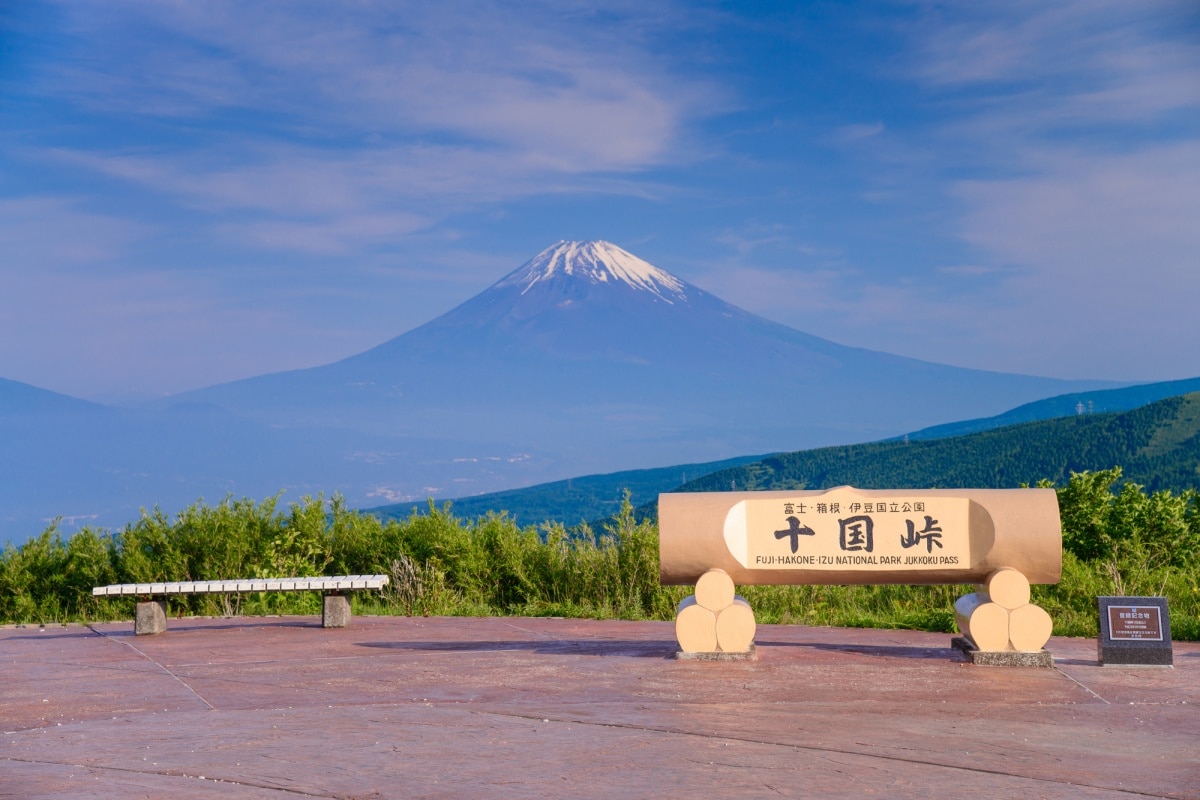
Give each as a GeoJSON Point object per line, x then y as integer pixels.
{"type": "Point", "coordinates": [594, 354]}
{"type": "Point", "coordinates": [585, 360]}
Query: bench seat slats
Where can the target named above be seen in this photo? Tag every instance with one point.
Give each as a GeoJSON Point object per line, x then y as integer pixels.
{"type": "Point", "coordinates": [326, 583]}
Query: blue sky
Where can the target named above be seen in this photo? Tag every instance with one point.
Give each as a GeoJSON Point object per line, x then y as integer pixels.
{"type": "Point", "coordinates": [196, 192]}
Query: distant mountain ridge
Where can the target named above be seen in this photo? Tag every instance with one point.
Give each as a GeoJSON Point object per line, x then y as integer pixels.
{"type": "Point", "coordinates": [1073, 404]}
{"type": "Point", "coordinates": [1172, 465]}
{"type": "Point", "coordinates": [18, 398]}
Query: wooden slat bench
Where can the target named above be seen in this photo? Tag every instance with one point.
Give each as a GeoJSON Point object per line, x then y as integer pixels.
{"type": "Point", "coordinates": [152, 609]}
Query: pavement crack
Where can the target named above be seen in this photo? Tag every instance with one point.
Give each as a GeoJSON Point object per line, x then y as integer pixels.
{"type": "Point", "coordinates": [155, 662]}
{"type": "Point", "coordinates": [171, 774]}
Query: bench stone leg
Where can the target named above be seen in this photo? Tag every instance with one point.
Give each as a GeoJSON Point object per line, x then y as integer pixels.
{"type": "Point", "coordinates": [335, 611]}
{"type": "Point", "coordinates": [151, 617]}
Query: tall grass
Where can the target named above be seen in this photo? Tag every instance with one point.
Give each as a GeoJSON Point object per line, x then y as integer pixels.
{"type": "Point", "coordinates": [1116, 542]}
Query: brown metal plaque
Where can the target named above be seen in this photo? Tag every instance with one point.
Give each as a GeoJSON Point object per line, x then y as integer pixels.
{"type": "Point", "coordinates": [1135, 623]}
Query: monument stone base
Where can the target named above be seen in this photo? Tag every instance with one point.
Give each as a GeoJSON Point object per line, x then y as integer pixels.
{"type": "Point", "coordinates": [747, 655]}
{"type": "Point", "coordinates": [1001, 658]}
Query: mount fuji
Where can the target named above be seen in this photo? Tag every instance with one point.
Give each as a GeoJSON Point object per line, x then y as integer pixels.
{"type": "Point", "coordinates": [596, 360]}
{"type": "Point", "coordinates": [584, 360]}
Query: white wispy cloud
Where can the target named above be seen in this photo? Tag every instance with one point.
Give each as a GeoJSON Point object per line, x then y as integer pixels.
{"type": "Point", "coordinates": [1033, 68]}
{"type": "Point", "coordinates": [321, 109]}
{"type": "Point", "coordinates": [54, 233]}
{"type": "Point", "coordinates": [1062, 136]}
{"type": "Point", "coordinates": [1117, 229]}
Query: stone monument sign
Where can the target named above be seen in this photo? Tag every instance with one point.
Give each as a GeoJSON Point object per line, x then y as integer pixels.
{"type": "Point", "coordinates": [1000, 539]}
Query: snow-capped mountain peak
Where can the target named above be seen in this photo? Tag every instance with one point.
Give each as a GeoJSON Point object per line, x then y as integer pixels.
{"type": "Point", "coordinates": [596, 262]}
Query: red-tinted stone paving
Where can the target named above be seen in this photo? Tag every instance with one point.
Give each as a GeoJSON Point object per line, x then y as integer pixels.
{"type": "Point", "coordinates": [440, 707]}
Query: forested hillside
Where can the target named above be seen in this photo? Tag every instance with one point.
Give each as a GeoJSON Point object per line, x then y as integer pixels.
{"type": "Point", "coordinates": [1158, 447]}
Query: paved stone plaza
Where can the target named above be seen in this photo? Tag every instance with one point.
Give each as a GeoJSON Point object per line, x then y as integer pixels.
{"type": "Point", "coordinates": [395, 707]}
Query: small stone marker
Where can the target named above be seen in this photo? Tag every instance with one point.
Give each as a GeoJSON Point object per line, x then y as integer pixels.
{"type": "Point", "coordinates": [1134, 631]}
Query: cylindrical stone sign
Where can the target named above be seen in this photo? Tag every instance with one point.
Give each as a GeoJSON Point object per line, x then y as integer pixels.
{"type": "Point", "coordinates": [695, 627]}
{"type": "Point", "coordinates": [735, 627]}
{"type": "Point", "coordinates": [715, 590]}
{"type": "Point", "coordinates": [984, 622]}
{"type": "Point", "coordinates": [856, 536]}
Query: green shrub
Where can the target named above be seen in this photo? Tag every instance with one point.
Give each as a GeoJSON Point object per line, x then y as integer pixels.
{"type": "Point", "coordinates": [1117, 540]}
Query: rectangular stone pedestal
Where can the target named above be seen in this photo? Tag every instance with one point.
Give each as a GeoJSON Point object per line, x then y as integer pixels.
{"type": "Point", "coordinates": [1001, 658]}
{"type": "Point", "coordinates": [335, 611]}
{"type": "Point", "coordinates": [745, 655]}
{"type": "Point", "coordinates": [151, 617]}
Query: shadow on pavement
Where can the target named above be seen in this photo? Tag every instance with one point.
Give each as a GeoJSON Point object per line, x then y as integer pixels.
{"type": "Point", "coordinates": [946, 653]}
{"type": "Point", "coordinates": [630, 648]}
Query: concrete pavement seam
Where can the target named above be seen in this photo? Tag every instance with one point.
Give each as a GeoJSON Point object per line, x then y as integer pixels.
{"type": "Point", "coordinates": [161, 774]}
{"type": "Point", "coordinates": [830, 750]}
{"type": "Point", "coordinates": [1083, 686]}
{"type": "Point", "coordinates": [146, 656]}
